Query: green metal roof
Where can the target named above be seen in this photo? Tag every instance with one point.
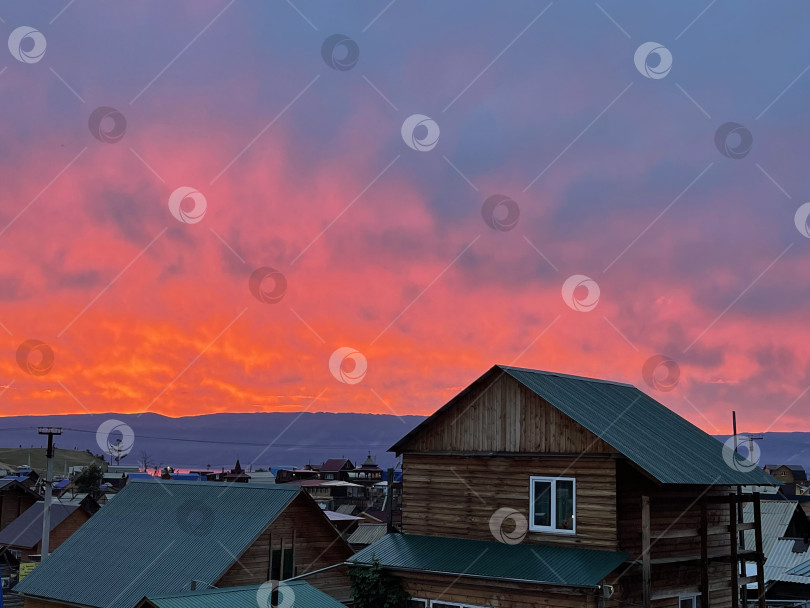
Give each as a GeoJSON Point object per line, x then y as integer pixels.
{"type": "Point", "coordinates": [541, 564]}
{"type": "Point", "coordinates": [292, 594]}
{"type": "Point", "coordinates": [656, 439]}
{"type": "Point", "coordinates": [154, 539]}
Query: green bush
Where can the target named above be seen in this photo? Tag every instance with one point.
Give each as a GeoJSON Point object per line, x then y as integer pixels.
{"type": "Point", "coordinates": [374, 588]}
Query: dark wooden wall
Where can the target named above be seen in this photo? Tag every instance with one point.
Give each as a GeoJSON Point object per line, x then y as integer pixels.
{"type": "Point", "coordinates": [13, 501]}
{"type": "Point", "coordinates": [302, 527]}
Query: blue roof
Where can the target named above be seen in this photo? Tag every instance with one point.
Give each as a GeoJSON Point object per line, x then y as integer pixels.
{"type": "Point", "coordinates": [154, 539]}
{"type": "Point", "coordinates": [186, 476]}
{"type": "Point", "coordinates": [16, 477]}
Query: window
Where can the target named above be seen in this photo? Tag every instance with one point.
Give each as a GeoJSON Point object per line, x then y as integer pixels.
{"type": "Point", "coordinates": [552, 504]}
{"type": "Point", "coordinates": [277, 573]}
{"type": "Point", "coordinates": [417, 603]}
{"type": "Point", "coordinates": [689, 601]}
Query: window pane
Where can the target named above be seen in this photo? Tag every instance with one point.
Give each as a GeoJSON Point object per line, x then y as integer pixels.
{"type": "Point", "coordinates": [542, 503]}
{"type": "Point", "coordinates": [565, 505]}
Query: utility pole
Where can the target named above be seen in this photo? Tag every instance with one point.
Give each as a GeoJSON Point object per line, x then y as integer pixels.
{"type": "Point", "coordinates": [50, 431]}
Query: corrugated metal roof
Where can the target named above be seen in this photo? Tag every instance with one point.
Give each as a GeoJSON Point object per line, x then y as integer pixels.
{"type": "Point", "coordinates": [154, 539]}
{"type": "Point", "coordinates": [649, 434]}
{"type": "Point", "coordinates": [802, 569]}
{"type": "Point", "coordinates": [542, 564]}
{"type": "Point", "coordinates": [776, 516]}
{"type": "Point", "coordinates": [783, 559]}
{"type": "Point", "coordinates": [302, 595]}
{"type": "Point", "coordinates": [26, 530]}
{"type": "Point", "coordinates": [365, 534]}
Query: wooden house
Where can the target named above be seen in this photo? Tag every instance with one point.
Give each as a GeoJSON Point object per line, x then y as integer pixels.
{"type": "Point", "coordinates": [159, 538]}
{"type": "Point", "coordinates": [23, 537]}
{"type": "Point", "coordinates": [534, 488]}
{"type": "Point", "coordinates": [336, 469]}
{"type": "Point", "coordinates": [15, 498]}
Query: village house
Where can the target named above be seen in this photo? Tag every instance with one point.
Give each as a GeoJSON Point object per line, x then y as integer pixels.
{"type": "Point", "coordinates": [535, 488]}
{"type": "Point", "coordinates": [15, 498]}
{"type": "Point", "coordinates": [163, 538]}
{"type": "Point", "coordinates": [23, 537]}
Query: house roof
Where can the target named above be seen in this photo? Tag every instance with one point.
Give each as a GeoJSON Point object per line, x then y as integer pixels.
{"type": "Point", "coordinates": [365, 534]}
{"type": "Point", "coordinates": [782, 564]}
{"type": "Point", "coordinates": [333, 465]}
{"type": "Point", "coordinates": [8, 483]}
{"type": "Point", "coordinates": [26, 530]}
{"type": "Point", "coordinates": [776, 517]}
{"type": "Point", "coordinates": [303, 595]}
{"type": "Point", "coordinates": [650, 435]}
{"type": "Point", "coordinates": [154, 539]}
{"type": "Point", "coordinates": [541, 564]}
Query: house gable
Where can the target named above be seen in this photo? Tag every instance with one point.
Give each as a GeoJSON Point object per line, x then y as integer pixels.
{"type": "Point", "coordinates": [499, 414]}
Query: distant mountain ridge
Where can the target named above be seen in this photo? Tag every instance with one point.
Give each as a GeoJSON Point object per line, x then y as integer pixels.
{"type": "Point", "coordinates": [275, 439]}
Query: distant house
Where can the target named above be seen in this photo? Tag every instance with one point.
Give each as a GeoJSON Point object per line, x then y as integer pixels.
{"type": "Point", "coordinates": [23, 536]}
{"type": "Point", "coordinates": [534, 488]}
{"type": "Point", "coordinates": [15, 498]}
{"type": "Point", "coordinates": [290, 594]}
{"type": "Point", "coordinates": [160, 538]}
{"type": "Point", "coordinates": [237, 474]}
{"type": "Point", "coordinates": [787, 473]}
{"type": "Point", "coordinates": [287, 475]}
{"type": "Point", "coordinates": [336, 469]}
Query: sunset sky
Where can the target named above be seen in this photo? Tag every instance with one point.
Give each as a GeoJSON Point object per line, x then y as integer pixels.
{"type": "Point", "coordinates": [384, 248]}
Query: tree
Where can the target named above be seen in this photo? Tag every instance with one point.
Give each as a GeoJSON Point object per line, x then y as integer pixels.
{"type": "Point", "coordinates": [145, 461]}
{"type": "Point", "coordinates": [372, 587]}
{"type": "Point", "coordinates": [90, 479]}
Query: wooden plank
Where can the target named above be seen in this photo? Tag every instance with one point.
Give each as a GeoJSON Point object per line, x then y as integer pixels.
{"type": "Point", "coordinates": [760, 553]}
{"type": "Point", "coordinates": [735, 563]}
{"type": "Point", "coordinates": [646, 568]}
{"type": "Point", "coordinates": [704, 555]}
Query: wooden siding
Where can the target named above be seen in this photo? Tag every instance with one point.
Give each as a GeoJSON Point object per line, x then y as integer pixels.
{"type": "Point", "coordinates": [316, 544]}
{"type": "Point", "coordinates": [13, 502]}
{"type": "Point", "coordinates": [456, 496]}
{"type": "Point", "coordinates": [481, 592]}
{"type": "Point", "coordinates": [30, 602]}
{"type": "Point", "coordinates": [673, 509]}
{"type": "Point", "coordinates": [505, 416]}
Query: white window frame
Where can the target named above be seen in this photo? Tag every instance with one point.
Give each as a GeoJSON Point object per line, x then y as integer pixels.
{"type": "Point", "coordinates": [552, 529]}
{"type": "Point", "coordinates": [694, 597]}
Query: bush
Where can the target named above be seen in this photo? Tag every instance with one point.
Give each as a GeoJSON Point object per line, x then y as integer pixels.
{"type": "Point", "coordinates": [372, 587]}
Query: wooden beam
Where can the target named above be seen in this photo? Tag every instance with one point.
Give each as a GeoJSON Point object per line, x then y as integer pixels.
{"type": "Point", "coordinates": [735, 562]}
{"type": "Point", "coordinates": [646, 589]}
{"type": "Point", "coordinates": [704, 555]}
{"type": "Point", "coordinates": [760, 553]}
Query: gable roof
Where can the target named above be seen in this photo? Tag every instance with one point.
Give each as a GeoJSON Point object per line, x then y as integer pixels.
{"type": "Point", "coordinates": [26, 530]}
{"type": "Point", "coordinates": [650, 435]}
{"type": "Point", "coordinates": [8, 483]}
{"type": "Point", "coordinates": [303, 595]}
{"type": "Point", "coordinates": [335, 465]}
{"type": "Point", "coordinates": [572, 567]}
{"type": "Point", "coordinates": [154, 539]}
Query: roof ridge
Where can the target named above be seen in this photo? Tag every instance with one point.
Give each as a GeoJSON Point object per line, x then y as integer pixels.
{"type": "Point", "coordinates": [562, 375]}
